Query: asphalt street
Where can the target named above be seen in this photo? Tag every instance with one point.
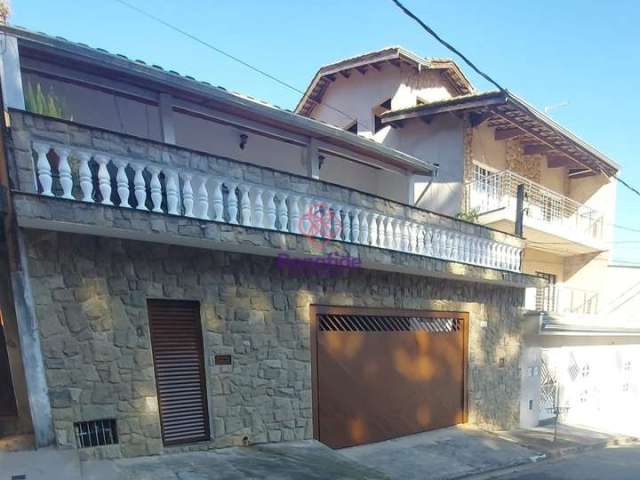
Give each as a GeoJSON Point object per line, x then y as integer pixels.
{"type": "Point", "coordinates": [621, 463]}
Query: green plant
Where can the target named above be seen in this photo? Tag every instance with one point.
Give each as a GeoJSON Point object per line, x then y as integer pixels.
{"type": "Point", "coordinates": [37, 101]}
{"type": "Point", "coordinates": [469, 215]}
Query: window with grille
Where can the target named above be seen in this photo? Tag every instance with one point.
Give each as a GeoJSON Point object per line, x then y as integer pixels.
{"type": "Point", "coordinates": [96, 433]}
{"type": "Point", "coordinates": [386, 323]}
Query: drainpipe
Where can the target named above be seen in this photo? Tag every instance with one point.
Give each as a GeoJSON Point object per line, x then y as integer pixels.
{"type": "Point", "coordinates": [520, 211]}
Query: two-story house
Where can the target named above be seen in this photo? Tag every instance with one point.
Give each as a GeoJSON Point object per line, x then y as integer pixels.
{"type": "Point", "coordinates": [186, 267]}
{"type": "Point", "coordinates": [485, 145]}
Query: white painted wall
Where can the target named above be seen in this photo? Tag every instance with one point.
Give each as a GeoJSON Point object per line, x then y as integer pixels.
{"type": "Point", "coordinates": [599, 385]}
{"type": "Point", "coordinates": [224, 140]}
{"type": "Point", "coordinates": [622, 295]}
{"type": "Point", "coordinates": [359, 94]}
{"type": "Point", "coordinates": [440, 142]}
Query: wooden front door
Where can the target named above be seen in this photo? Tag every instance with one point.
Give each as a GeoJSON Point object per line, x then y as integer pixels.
{"type": "Point", "coordinates": [176, 339]}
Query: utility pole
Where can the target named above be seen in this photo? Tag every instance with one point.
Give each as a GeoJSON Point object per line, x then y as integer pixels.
{"type": "Point", "coordinates": [520, 211]}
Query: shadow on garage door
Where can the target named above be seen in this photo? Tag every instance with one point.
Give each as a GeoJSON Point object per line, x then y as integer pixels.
{"type": "Point", "coordinates": [380, 374]}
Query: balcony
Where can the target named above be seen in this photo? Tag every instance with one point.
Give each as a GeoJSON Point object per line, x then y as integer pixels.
{"type": "Point", "coordinates": [562, 300]}
{"type": "Point", "coordinates": [72, 178]}
{"type": "Point", "coordinates": [561, 224]}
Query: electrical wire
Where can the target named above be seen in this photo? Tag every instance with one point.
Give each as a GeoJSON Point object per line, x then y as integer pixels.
{"type": "Point", "coordinates": [431, 32]}
{"type": "Point", "coordinates": [229, 55]}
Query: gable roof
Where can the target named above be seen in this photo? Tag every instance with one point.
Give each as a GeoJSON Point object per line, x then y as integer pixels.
{"type": "Point", "coordinates": [396, 56]}
{"type": "Point", "coordinates": [512, 117]}
{"type": "Point", "coordinates": [154, 77]}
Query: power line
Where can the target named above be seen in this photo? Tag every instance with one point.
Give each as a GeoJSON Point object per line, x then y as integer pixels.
{"type": "Point", "coordinates": [633, 189]}
{"type": "Point", "coordinates": [227, 54]}
{"type": "Point", "coordinates": [431, 32]}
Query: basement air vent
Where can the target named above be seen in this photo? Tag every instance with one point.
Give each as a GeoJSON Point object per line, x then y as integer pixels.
{"type": "Point", "coordinates": [96, 433]}
{"type": "Point", "coordinates": [379, 323]}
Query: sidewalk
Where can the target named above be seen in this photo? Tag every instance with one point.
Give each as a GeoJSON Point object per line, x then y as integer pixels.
{"type": "Point", "coordinates": [448, 454]}
{"type": "Point", "coordinates": [570, 440]}
{"type": "Point", "coordinates": [43, 464]}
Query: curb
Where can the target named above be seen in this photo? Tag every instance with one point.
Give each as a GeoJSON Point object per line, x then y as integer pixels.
{"type": "Point", "coordinates": [544, 457]}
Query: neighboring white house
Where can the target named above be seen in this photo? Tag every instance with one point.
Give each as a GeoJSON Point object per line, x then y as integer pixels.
{"type": "Point", "coordinates": [485, 144]}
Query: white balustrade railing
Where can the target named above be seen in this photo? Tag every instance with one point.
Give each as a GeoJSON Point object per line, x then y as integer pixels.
{"type": "Point", "coordinates": [498, 191]}
{"type": "Point", "coordinates": [95, 177]}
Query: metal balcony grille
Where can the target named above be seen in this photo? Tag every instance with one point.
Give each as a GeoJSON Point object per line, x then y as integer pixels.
{"type": "Point", "coordinates": [379, 323]}
{"type": "Point", "coordinates": [489, 192]}
{"type": "Point", "coordinates": [96, 433]}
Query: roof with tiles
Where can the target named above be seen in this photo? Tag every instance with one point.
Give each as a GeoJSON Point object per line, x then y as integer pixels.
{"type": "Point", "coordinates": [155, 73]}
{"type": "Point", "coordinates": [394, 55]}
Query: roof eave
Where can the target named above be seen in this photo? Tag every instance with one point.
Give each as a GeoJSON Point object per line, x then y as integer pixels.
{"type": "Point", "coordinates": [285, 118]}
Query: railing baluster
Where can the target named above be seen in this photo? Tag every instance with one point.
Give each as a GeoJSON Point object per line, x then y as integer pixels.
{"type": "Point", "coordinates": [346, 223]}
{"type": "Point", "coordinates": [428, 241]}
{"type": "Point", "coordinates": [64, 171]}
{"type": "Point", "coordinates": [355, 226]}
{"type": "Point", "coordinates": [232, 202]}
{"type": "Point", "coordinates": [173, 192]}
{"type": "Point", "coordinates": [270, 209]}
{"type": "Point", "coordinates": [104, 180]}
{"type": "Point", "coordinates": [364, 228]}
{"type": "Point", "coordinates": [258, 208]}
{"type": "Point", "coordinates": [203, 198]}
{"type": "Point", "coordinates": [245, 205]}
{"type": "Point", "coordinates": [373, 230]}
{"type": "Point", "coordinates": [86, 185]}
{"type": "Point", "coordinates": [122, 182]}
{"type": "Point", "coordinates": [44, 168]}
{"type": "Point", "coordinates": [156, 189]}
{"type": "Point", "coordinates": [294, 214]}
{"type": "Point", "coordinates": [218, 200]}
{"type": "Point", "coordinates": [187, 194]}
{"type": "Point", "coordinates": [283, 212]}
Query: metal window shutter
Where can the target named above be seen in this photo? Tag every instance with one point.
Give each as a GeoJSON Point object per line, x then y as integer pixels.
{"type": "Point", "coordinates": [176, 339]}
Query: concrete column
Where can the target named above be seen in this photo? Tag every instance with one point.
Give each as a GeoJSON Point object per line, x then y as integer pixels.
{"type": "Point", "coordinates": [167, 119]}
{"type": "Point", "coordinates": [10, 76]}
{"type": "Point", "coordinates": [32, 360]}
{"type": "Point", "coordinates": [313, 163]}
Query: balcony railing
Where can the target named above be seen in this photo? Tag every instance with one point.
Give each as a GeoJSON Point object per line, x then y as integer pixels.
{"type": "Point", "coordinates": [561, 299]}
{"type": "Point", "coordinates": [78, 174]}
{"type": "Point", "coordinates": [498, 191]}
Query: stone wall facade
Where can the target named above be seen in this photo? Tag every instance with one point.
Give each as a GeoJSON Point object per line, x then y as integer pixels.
{"type": "Point", "coordinates": [90, 295]}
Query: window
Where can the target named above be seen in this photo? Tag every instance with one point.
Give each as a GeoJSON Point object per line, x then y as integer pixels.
{"type": "Point", "coordinates": [353, 128]}
{"type": "Point", "coordinates": [96, 433]}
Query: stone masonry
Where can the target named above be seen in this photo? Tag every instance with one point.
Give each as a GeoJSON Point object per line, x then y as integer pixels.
{"type": "Point", "coordinates": [91, 293]}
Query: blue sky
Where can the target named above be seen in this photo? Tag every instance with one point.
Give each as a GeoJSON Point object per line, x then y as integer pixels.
{"type": "Point", "coordinates": [581, 51]}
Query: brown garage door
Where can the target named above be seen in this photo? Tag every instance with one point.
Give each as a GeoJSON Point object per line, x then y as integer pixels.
{"type": "Point", "coordinates": [380, 375]}
{"type": "Point", "coordinates": [176, 339]}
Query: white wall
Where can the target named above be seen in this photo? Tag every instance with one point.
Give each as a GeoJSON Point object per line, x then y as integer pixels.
{"type": "Point", "coordinates": [224, 140]}
{"type": "Point", "coordinates": [359, 94]}
{"type": "Point", "coordinates": [440, 142]}
{"type": "Point", "coordinates": [622, 295]}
